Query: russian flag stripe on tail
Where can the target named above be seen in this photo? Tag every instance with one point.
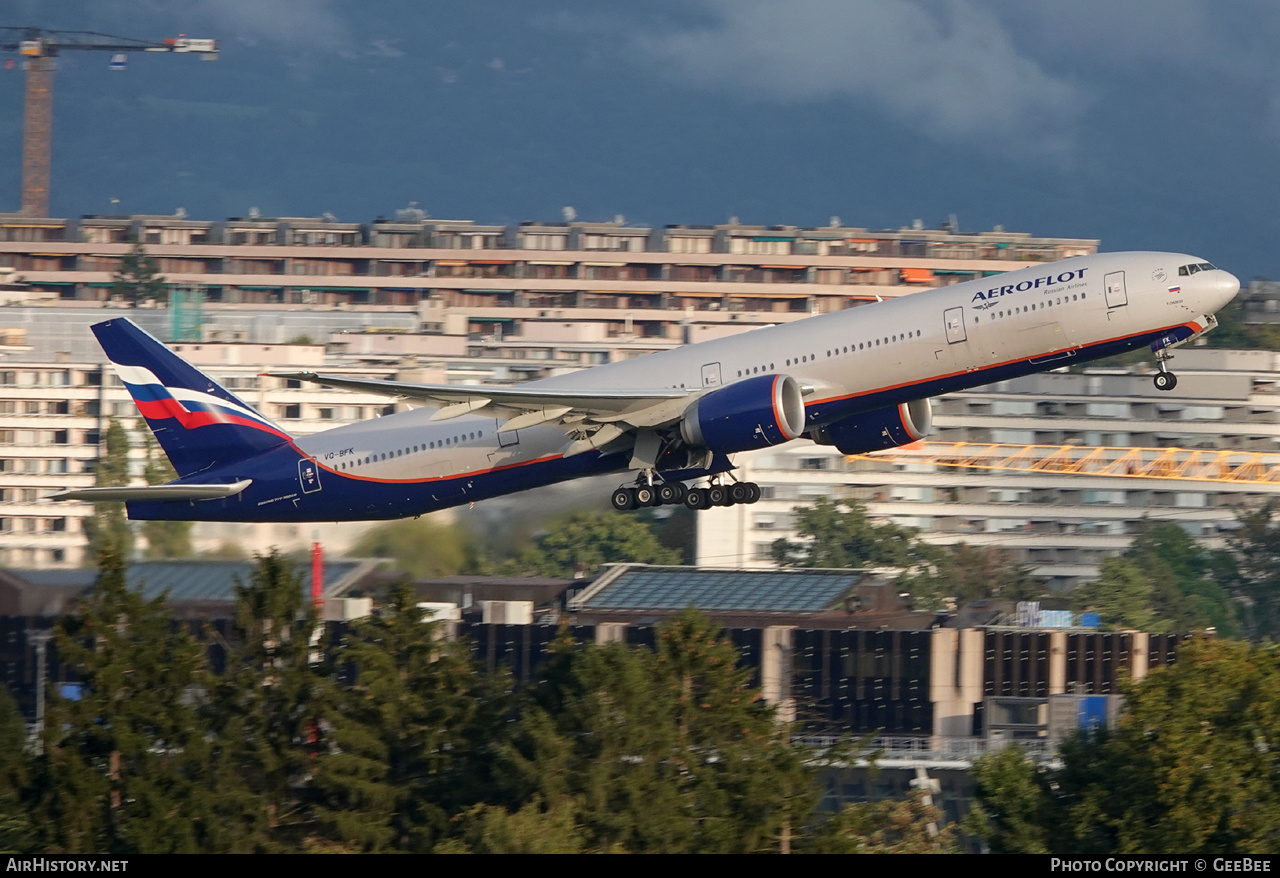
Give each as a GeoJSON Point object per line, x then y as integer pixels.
{"type": "Point", "coordinates": [197, 422]}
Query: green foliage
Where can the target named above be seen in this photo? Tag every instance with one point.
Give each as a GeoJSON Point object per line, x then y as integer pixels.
{"type": "Point", "coordinates": [16, 831]}
{"type": "Point", "coordinates": [1124, 596]}
{"type": "Point", "coordinates": [534, 829]}
{"type": "Point", "coordinates": [108, 529]}
{"type": "Point", "coordinates": [165, 539]}
{"type": "Point", "coordinates": [1164, 581]}
{"type": "Point", "coordinates": [137, 278]}
{"type": "Point", "coordinates": [1191, 769]}
{"type": "Point", "coordinates": [840, 534]}
{"type": "Point", "coordinates": [580, 544]}
{"type": "Point", "coordinates": [117, 771]}
{"type": "Point", "coordinates": [268, 708]}
{"type": "Point", "coordinates": [393, 740]}
{"type": "Point", "coordinates": [961, 574]}
{"type": "Point", "coordinates": [1014, 811]}
{"type": "Point", "coordinates": [665, 752]}
{"type": "Point", "coordinates": [410, 736]}
{"type": "Point", "coordinates": [1256, 580]}
{"type": "Point", "coordinates": [894, 826]}
{"type": "Point", "coordinates": [419, 547]}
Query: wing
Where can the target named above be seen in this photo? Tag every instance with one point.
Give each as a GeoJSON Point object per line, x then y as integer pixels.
{"type": "Point", "coordinates": [593, 417]}
{"type": "Point", "coordinates": [155, 492]}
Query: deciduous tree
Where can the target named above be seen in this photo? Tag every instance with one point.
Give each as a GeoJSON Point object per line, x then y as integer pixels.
{"type": "Point", "coordinates": [840, 534]}
{"type": "Point", "coordinates": [580, 544]}
{"type": "Point", "coordinates": [1192, 768]}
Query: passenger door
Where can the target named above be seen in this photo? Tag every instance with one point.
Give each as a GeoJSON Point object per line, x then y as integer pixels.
{"type": "Point", "coordinates": [953, 319]}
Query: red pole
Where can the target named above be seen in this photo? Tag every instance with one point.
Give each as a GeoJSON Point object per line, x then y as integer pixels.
{"type": "Point", "coordinates": [317, 576]}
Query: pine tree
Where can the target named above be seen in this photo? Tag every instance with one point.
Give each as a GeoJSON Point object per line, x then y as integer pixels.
{"type": "Point", "coordinates": [410, 734]}
{"type": "Point", "coordinates": [665, 752]}
{"type": "Point", "coordinates": [116, 770]}
{"type": "Point", "coordinates": [137, 278]}
{"type": "Point", "coordinates": [913, 825]}
{"type": "Point", "coordinates": [108, 529]}
{"type": "Point", "coordinates": [269, 707]}
{"type": "Point", "coordinates": [165, 539]}
{"type": "Point", "coordinates": [16, 831]}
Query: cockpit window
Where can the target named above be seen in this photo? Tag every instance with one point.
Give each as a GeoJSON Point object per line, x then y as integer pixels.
{"type": "Point", "coordinates": [1186, 270]}
{"type": "Point", "coordinates": [1204, 266]}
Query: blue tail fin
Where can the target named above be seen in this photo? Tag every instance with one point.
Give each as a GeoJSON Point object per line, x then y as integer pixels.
{"type": "Point", "coordinates": [198, 423]}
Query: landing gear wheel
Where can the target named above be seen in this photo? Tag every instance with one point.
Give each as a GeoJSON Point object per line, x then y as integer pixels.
{"type": "Point", "coordinates": [754, 492]}
{"type": "Point", "coordinates": [624, 499]}
{"type": "Point", "coordinates": [1166, 381]}
{"type": "Point", "coordinates": [719, 496]}
{"type": "Point", "coordinates": [697, 498]}
{"type": "Point", "coordinates": [739, 493]}
{"type": "Point", "coordinates": [645, 496]}
{"type": "Point", "coordinates": [671, 493]}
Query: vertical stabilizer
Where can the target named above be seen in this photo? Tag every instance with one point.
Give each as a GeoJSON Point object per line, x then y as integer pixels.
{"type": "Point", "coordinates": [197, 422]}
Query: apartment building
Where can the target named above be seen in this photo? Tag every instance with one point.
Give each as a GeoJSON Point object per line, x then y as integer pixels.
{"type": "Point", "coordinates": [531, 267]}
{"type": "Point", "coordinates": [1062, 524]}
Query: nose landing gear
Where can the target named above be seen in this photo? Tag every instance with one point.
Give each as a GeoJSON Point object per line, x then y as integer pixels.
{"type": "Point", "coordinates": [1164, 379]}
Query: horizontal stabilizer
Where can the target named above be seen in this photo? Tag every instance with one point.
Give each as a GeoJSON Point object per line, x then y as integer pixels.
{"type": "Point", "coordinates": [155, 492]}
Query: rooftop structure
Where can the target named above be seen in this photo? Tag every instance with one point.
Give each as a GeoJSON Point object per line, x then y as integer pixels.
{"type": "Point", "coordinates": [510, 273]}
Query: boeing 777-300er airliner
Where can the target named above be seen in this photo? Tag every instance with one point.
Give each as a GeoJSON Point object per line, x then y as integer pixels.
{"type": "Point", "coordinates": [858, 379]}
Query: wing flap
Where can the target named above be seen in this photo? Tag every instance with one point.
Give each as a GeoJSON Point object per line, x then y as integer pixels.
{"type": "Point", "coordinates": [155, 492]}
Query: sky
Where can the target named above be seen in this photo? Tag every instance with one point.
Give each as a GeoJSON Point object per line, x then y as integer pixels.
{"type": "Point", "coordinates": [1148, 124]}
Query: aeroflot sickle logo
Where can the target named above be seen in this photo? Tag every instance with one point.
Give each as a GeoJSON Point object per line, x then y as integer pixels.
{"type": "Point", "coordinates": [191, 408]}
{"type": "Point", "coordinates": [1047, 280]}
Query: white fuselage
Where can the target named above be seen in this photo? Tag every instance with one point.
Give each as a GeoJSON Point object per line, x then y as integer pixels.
{"type": "Point", "coordinates": [860, 359]}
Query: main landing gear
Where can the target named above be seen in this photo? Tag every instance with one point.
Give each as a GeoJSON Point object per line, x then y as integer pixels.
{"type": "Point", "coordinates": [1164, 379]}
{"type": "Point", "coordinates": [674, 493]}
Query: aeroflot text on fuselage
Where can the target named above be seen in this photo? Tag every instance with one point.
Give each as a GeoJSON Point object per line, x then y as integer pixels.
{"type": "Point", "coordinates": [1046, 281]}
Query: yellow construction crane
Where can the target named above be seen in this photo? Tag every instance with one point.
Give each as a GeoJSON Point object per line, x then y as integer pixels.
{"type": "Point", "coordinates": [39, 50]}
{"type": "Point", "coordinates": [1190, 464]}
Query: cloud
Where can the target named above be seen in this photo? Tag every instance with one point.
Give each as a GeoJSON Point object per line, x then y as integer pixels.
{"type": "Point", "coordinates": [950, 70]}
{"type": "Point", "coordinates": [297, 23]}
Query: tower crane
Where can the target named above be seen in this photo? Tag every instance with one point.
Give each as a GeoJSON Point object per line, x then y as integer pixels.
{"type": "Point", "coordinates": [40, 49]}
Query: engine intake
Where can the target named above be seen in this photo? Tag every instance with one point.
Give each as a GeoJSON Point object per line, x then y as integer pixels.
{"type": "Point", "coordinates": [878, 430]}
{"type": "Point", "coordinates": [754, 413]}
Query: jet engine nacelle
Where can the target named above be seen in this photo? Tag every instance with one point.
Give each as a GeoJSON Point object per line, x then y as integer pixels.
{"type": "Point", "coordinates": [878, 430]}
{"type": "Point", "coordinates": [755, 413]}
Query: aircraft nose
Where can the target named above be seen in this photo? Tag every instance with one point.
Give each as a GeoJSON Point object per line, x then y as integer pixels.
{"type": "Point", "coordinates": [1226, 286]}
